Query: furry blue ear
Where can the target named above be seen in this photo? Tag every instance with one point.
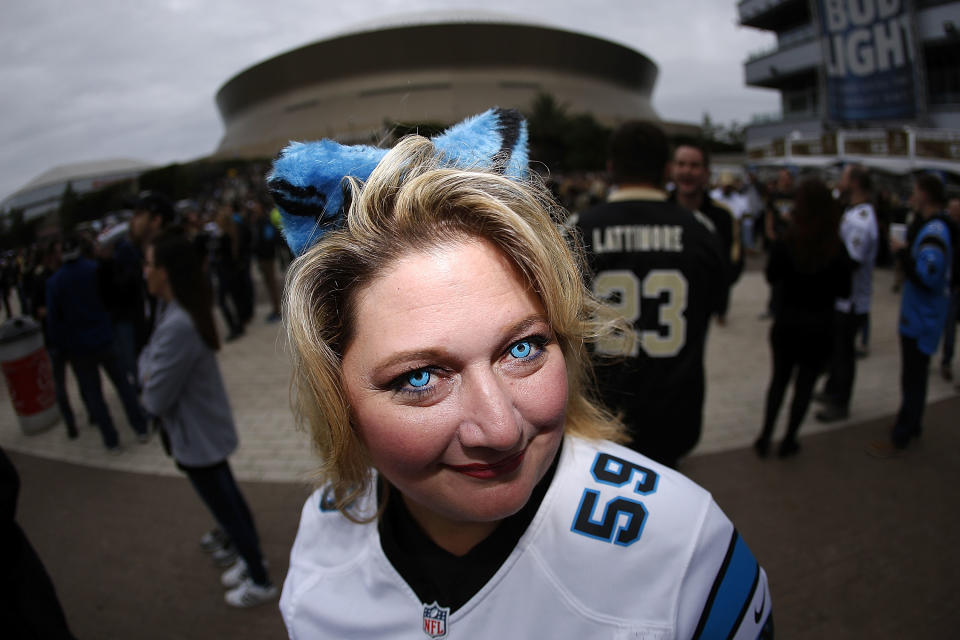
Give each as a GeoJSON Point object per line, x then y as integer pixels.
{"type": "Point", "coordinates": [307, 179]}
{"type": "Point", "coordinates": [306, 184]}
{"type": "Point", "coordinates": [496, 138]}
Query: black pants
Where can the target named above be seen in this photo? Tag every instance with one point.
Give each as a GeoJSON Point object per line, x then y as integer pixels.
{"type": "Point", "coordinates": [843, 362]}
{"type": "Point", "coordinates": [913, 387]}
{"type": "Point", "coordinates": [800, 351]}
{"type": "Point", "coordinates": [227, 300]}
{"type": "Point", "coordinates": [219, 491]}
{"type": "Point", "coordinates": [244, 293]}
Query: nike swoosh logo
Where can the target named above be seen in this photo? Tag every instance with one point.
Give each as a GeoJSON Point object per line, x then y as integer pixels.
{"type": "Point", "coordinates": [758, 613]}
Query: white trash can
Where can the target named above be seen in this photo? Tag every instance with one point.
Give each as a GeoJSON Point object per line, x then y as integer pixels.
{"type": "Point", "coordinates": [29, 375]}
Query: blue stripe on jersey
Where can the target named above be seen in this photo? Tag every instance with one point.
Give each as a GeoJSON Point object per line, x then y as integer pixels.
{"type": "Point", "coordinates": [731, 593]}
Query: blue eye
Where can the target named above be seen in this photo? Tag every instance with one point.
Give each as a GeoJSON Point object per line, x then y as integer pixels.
{"type": "Point", "coordinates": [419, 378]}
{"type": "Point", "coordinates": [522, 349]}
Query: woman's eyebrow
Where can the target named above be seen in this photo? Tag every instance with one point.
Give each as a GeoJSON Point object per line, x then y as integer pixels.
{"type": "Point", "coordinates": [525, 324]}
{"type": "Point", "coordinates": [510, 334]}
{"type": "Point", "coordinates": [407, 356]}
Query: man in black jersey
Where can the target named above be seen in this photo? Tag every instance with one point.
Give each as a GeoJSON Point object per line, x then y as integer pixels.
{"type": "Point", "coordinates": [691, 175]}
{"type": "Point", "coordinates": [665, 272]}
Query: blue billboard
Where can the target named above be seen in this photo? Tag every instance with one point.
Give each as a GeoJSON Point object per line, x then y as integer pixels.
{"type": "Point", "coordinates": [869, 54]}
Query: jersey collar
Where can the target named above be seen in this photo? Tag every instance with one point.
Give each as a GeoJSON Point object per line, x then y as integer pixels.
{"type": "Point", "coordinates": [636, 193]}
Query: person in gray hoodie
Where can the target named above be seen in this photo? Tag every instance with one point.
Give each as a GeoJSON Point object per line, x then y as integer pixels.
{"type": "Point", "coordinates": [182, 386]}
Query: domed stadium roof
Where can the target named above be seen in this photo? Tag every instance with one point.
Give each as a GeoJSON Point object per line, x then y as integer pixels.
{"type": "Point", "coordinates": [436, 67]}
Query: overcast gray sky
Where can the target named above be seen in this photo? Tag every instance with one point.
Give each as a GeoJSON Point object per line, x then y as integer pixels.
{"type": "Point", "coordinates": [100, 79]}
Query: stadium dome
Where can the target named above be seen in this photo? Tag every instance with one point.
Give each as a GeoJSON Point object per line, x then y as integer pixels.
{"type": "Point", "coordinates": [42, 195]}
{"type": "Point", "coordinates": [436, 69]}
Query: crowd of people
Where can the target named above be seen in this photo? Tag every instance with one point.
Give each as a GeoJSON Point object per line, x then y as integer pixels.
{"type": "Point", "coordinates": [499, 371]}
{"type": "Point", "coordinates": [133, 297]}
{"type": "Point", "coordinates": [819, 242]}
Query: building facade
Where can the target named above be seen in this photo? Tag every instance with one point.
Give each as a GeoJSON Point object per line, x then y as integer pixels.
{"type": "Point", "coordinates": [813, 50]}
{"type": "Point", "coordinates": [351, 87]}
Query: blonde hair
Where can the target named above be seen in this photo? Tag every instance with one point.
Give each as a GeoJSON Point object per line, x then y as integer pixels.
{"type": "Point", "coordinates": [412, 202]}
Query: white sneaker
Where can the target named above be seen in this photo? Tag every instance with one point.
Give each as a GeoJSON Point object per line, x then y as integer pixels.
{"type": "Point", "coordinates": [225, 556]}
{"type": "Point", "coordinates": [236, 574]}
{"type": "Point", "coordinates": [213, 540]}
{"type": "Point", "coordinates": [249, 594]}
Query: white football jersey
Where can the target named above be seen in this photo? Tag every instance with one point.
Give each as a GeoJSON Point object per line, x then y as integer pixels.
{"type": "Point", "coordinates": [858, 230]}
{"type": "Point", "coordinates": [621, 547]}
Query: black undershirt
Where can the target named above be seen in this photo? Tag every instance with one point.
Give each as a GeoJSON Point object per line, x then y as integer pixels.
{"type": "Point", "coordinates": [436, 575]}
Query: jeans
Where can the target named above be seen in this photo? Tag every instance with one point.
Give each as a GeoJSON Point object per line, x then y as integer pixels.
{"type": "Point", "coordinates": [913, 387]}
{"type": "Point", "coordinates": [219, 491]}
{"type": "Point", "coordinates": [746, 233]}
{"type": "Point", "coordinates": [59, 365]}
{"type": "Point", "coordinates": [125, 346]}
{"type": "Point", "coordinates": [86, 366]}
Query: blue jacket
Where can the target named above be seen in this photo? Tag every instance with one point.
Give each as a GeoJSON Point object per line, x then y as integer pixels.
{"type": "Point", "coordinates": [77, 321]}
{"type": "Point", "coordinates": [926, 293]}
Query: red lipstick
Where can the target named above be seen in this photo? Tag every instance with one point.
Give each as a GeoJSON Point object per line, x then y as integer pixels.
{"type": "Point", "coordinates": [491, 471]}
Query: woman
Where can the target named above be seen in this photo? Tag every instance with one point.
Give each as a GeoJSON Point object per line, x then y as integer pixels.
{"type": "Point", "coordinates": [810, 268]}
{"type": "Point", "coordinates": [469, 484]}
{"type": "Point", "coordinates": [182, 386]}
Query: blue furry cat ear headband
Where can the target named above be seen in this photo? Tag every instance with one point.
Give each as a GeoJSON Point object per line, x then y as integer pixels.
{"type": "Point", "coordinates": [306, 179]}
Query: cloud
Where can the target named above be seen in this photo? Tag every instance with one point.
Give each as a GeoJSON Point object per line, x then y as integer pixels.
{"type": "Point", "coordinates": [103, 79]}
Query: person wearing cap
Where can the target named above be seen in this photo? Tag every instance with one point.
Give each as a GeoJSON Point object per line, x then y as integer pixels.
{"type": "Point", "coordinates": [125, 293]}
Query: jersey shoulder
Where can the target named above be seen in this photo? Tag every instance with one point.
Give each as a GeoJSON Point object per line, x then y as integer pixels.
{"type": "Point", "coordinates": [861, 215]}
{"type": "Point", "coordinates": [622, 531]}
{"type": "Point", "coordinates": [652, 548]}
{"type": "Point", "coordinates": [328, 540]}
{"type": "Point", "coordinates": [935, 227]}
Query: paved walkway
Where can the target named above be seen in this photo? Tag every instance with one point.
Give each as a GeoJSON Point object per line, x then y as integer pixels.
{"type": "Point", "coordinates": [257, 368]}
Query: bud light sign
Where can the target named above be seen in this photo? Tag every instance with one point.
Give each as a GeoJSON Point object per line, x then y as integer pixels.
{"type": "Point", "coordinates": [869, 59]}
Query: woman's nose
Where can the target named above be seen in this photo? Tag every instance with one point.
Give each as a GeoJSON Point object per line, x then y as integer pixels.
{"type": "Point", "coordinates": [489, 418]}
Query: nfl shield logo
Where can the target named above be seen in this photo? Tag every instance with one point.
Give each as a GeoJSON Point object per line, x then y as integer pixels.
{"type": "Point", "coordinates": [435, 620]}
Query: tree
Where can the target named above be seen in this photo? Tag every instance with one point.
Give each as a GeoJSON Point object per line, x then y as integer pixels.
{"type": "Point", "coordinates": [18, 232]}
{"type": "Point", "coordinates": [547, 127]}
{"type": "Point", "coordinates": [723, 138]}
{"type": "Point", "coordinates": [68, 210]}
{"type": "Point", "coordinates": [564, 142]}
{"type": "Point", "coordinates": [708, 129]}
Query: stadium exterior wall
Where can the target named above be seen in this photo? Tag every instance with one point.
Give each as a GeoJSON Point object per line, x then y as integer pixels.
{"type": "Point", "coordinates": [349, 87]}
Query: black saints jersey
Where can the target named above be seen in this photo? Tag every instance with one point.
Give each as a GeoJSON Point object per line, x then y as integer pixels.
{"type": "Point", "coordinates": [662, 269]}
